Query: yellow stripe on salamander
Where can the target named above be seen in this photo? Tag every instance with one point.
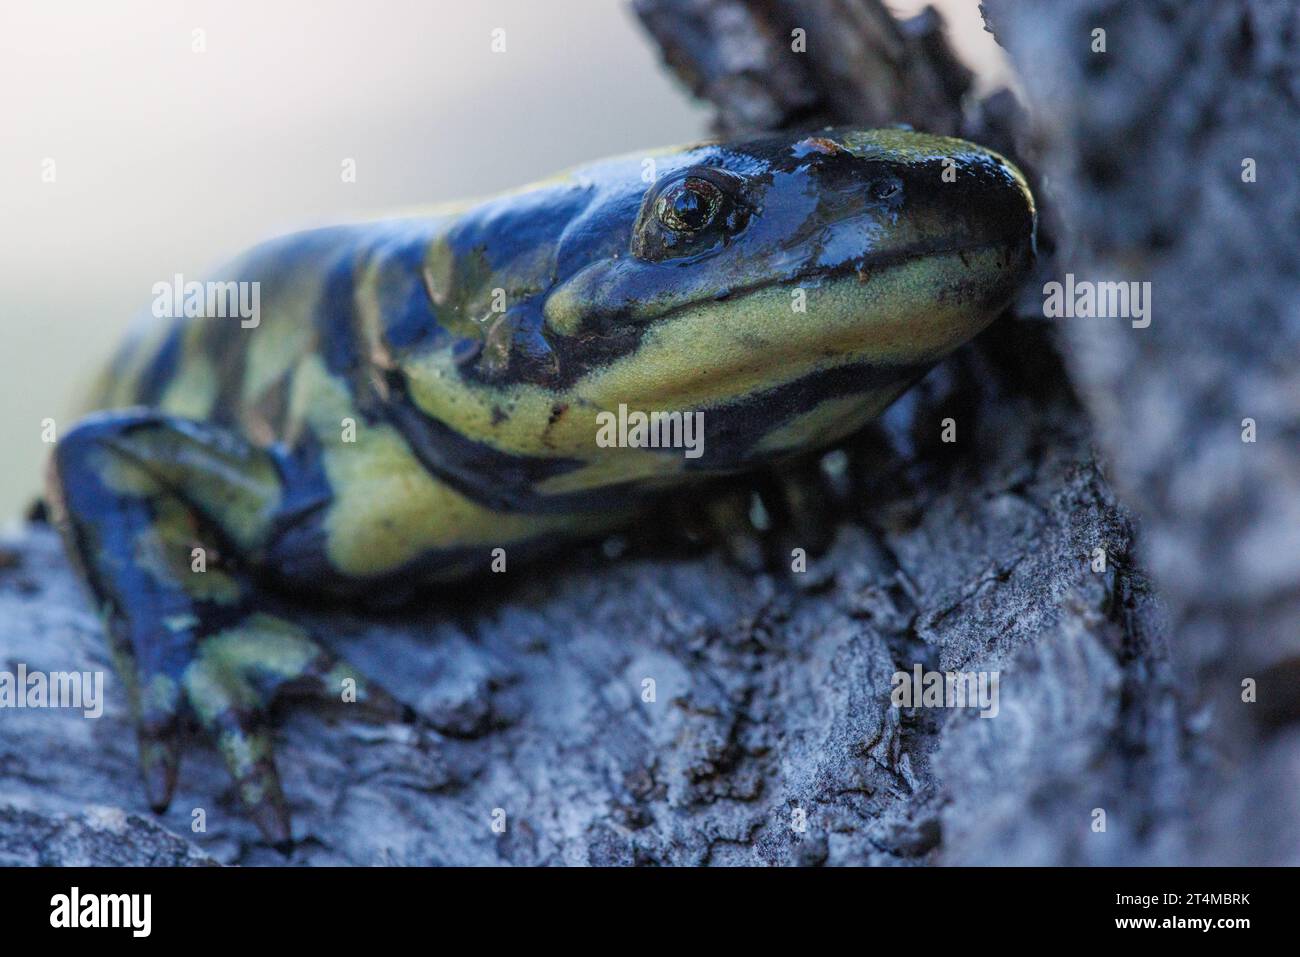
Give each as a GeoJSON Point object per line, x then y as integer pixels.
{"type": "Point", "coordinates": [710, 355]}
{"type": "Point", "coordinates": [387, 509]}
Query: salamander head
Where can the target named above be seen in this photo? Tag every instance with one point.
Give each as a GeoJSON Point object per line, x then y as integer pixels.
{"type": "Point", "coordinates": [802, 282]}
{"type": "Point", "coordinates": [789, 286]}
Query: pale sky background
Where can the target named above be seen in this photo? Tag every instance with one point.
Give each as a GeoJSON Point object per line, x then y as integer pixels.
{"type": "Point", "coordinates": [168, 160]}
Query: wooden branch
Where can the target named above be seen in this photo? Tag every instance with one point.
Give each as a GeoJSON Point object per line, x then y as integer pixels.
{"type": "Point", "coordinates": [856, 64]}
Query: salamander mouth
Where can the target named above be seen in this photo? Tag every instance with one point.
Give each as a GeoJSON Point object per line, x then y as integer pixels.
{"type": "Point", "coordinates": [865, 268]}
{"type": "Point", "coordinates": [620, 335]}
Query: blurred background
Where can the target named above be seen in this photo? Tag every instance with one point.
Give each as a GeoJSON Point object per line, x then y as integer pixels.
{"type": "Point", "coordinates": [169, 158]}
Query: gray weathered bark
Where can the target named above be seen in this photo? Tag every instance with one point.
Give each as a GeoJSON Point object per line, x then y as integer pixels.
{"type": "Point", "coordinates": [1119, 690]}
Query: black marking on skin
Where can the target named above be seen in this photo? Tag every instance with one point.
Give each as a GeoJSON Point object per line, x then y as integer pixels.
{"type": "Point", "coordinates": [731, 430]}
{"type": "Point", "coordinates": [226, 345]}
{"type": "Point", "coordinates": [162, 368]}
{"type": "Point", "coordinates": [517, 348]}
{"type": "Point", "coordinates": [230, 368]}
{"type": "Point", "coordinates": [410, 321]}
{"type": "Point", "coordinates": [336, 317]}
{"type": "Point", "coordinates": [408, 314]}
{"type": "Point", "coordinates": [579, 355]}
{"type": "Point", "coordinates": [305, 486]}
{"type": "Point", "coordinates": [489, 476]}
{"type": "Point", "coordinates": [496, 479]}
{"type": "Point", "coordinates": [300, 566]}
{"type": "Point", "coordinates": [298, 543]}
{"type": "Point", "coordinates": [297, 554]}
{"type": "Point", "coordinates": [465, 351]}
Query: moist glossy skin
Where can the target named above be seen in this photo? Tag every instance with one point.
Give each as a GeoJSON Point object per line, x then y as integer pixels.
{"type": "Point", "coordinates": [418, 392]}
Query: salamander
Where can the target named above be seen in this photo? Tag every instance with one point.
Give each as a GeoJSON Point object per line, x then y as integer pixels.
{"type": "Point", "coordinates": [415, 395]}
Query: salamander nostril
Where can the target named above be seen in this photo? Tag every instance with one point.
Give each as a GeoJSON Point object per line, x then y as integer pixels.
{"type": "Point", "coordinates": [884, 188]}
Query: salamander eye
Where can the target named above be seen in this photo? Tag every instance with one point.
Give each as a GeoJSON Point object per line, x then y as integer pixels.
{"type": "Point", "coordinates": [688, 206]}
{"type": "Point", "coordinates": [696, 213]}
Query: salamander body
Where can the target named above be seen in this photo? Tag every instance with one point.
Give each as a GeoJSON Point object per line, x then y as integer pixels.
{"type": "Point", "coordinates": [409, 395]}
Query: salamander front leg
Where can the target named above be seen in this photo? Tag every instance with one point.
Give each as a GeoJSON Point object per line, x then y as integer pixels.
{"type": "Point", "coordinates": [169, 520]}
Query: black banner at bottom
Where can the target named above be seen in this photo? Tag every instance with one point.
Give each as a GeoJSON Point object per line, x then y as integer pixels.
{"type": "Point", "coordinates": [333, 906]}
